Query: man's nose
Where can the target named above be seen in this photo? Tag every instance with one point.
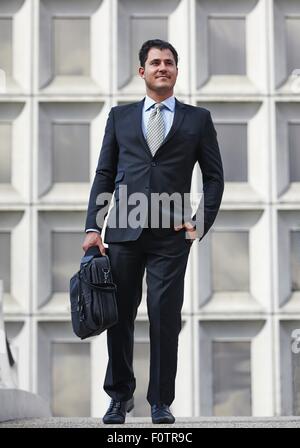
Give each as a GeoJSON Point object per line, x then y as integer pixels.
{"type": "Point", "coordinates": [162, 68]}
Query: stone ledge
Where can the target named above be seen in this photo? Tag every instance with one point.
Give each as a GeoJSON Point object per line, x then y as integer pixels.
{"type": "Point", "coordinates": [145, 422]}
{"type": "Point", "coordinates": [17, 405]}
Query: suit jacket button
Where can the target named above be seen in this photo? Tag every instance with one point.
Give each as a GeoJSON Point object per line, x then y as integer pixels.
{"type": "Point", "coordinates": [153, 163]}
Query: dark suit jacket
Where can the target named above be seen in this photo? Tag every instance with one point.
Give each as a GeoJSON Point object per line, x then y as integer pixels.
{"type": "Point", "coordinates": [125, 159]}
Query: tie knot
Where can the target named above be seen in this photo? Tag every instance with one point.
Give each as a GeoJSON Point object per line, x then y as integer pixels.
{"type": "Point", "coordinates": [158, 106]}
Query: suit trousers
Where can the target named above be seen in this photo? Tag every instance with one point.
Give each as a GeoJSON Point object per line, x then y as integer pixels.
{"type": "Point", "coordinates": [165, 260]}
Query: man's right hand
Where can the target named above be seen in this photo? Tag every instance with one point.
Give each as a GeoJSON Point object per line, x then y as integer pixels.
{"type": "Point", "coordinates": [93, 239]}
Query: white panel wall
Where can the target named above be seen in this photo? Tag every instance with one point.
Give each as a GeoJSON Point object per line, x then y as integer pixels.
{"type": "Point", "coordinates": [66, 63]}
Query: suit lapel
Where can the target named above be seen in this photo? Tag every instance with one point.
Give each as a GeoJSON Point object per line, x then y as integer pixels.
{"type": "Point", "coordinates": [178, 117]}
{"type": "Point", "coordinates": [137, 120]}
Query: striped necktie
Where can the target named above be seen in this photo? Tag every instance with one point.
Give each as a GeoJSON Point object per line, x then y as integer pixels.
{"type": "Point", "coordinates": [156, 128]}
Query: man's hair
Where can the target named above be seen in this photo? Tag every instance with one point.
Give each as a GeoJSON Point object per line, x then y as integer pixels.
{"type": "Point", "coordinates": [155, 43]}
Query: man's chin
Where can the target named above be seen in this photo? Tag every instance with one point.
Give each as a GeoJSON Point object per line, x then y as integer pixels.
{"type": "Point", "coordinates": [162, 88]}
{"type": "Point", "coordinates": [163, 82]}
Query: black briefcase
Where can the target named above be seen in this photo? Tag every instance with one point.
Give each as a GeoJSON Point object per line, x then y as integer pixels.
{"type": "Point", "coordinates": [93, 295]}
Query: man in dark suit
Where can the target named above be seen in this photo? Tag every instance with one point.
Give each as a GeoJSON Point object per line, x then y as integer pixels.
{"type": "Point", "coordinates": [150, 148]}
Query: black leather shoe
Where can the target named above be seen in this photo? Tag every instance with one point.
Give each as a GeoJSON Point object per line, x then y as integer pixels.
{"type": "Point", "coordinates": [116, 412]}
{"type": "Point", "coordinates": [161, 413]}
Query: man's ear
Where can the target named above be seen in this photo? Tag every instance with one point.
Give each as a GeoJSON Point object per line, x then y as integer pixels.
{"type": "Point", "coordinates": [142, 72]}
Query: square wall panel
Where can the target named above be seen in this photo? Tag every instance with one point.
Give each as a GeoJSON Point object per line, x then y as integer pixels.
{"type": "Point", "coordinates": [234, 264]}
{"type": "Point", "coordinates": [231, 362]}
{"type": "Point", "coordinates": [227, 37]}
{"type": "Point", "coordinates": [64, 249]}
{"type": "Point", "coordinates": [68, 141]}
{"type": "Point", "coordinates": [151, 19]}
{"type": "Point", "coordinates": [15, 45]}
{"type": "Point", "coordinates": [63, 65]}
{"type": "Point", "coordinates": [292, 41]}
{"type": "Point", "coordinates": [234, 368]}
{"type": "Point", "coordinates": [73, 46]}
{"type": "Point", "coordinates": [286, 29]}
{"type": "Point", "coordinates": [295, 259]}
{"type": "Point", "coordinates": [63, 370]}
{"type": "Point", "coordinates": [289, 386]}
{"type": "Point", "coordinates": [294, 153]}
{"type": "Point", "coordinates": [59, 251]}
{"type": "Point", "coordinates": [14, 260]}
{"type": "Point", "coordinates": [5, 152]}
{"type": "Point", "coordinates": [287, 266]}
{"type": "Point", "coordinates": [230, 260]}
{"type": "Point", "coordinates": [287, 151]}
{"type": "Point", "coordinates": [70, 372]}
{"type": "Point", "coordinates": [5, 260]}
{"type": "Point", "coordinates": [230, 52]}
{"type": "Point", "coordinates": [233, 138]}
{"type": "Point", "coordinates": [243, 141]}
{"type": "Point", "coordinates": [68, 137]}
{"type": "Point", "coordinates": [6, 45]}
{"type": "Point", "coordinates": [15, 161]}
{"type": "Point", "coordinates": [296, 383]}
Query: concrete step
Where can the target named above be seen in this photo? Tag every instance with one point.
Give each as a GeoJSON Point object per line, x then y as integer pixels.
{"type": "Point", "coordinates": [18, 404]}
{"type": "Point", "coordinates": [145, 422]}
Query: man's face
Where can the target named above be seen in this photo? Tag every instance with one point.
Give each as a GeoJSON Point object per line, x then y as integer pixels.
{"type": "Point", "coordinates": [160, 72]}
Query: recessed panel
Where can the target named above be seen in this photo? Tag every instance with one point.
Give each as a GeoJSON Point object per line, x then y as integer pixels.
{"type": "Point", "coordinates": [5, 259]}
{"type": "Point", "coordinates": [295, 259]}
{"type": "Point", "coordinates": [71, 379]}
{"type": "Point", "coordinates": [71, 159]}
{"type": "Point", "coordinates": [231, 378]}
{"type": "Point", "coordinates": [6, 45]}
{"type": "Point", "coordinates": [66, 254]}
{"type": "Point", "coordinates": [71, 47]}
{"type": "Point", "coordinates": [230, 261]}
{"type": "Point", "coordinates": [5, 152]}
{"type": "Point", "coordinates": [227, 52]}
{"type": "Point", "coordinates": [292, 43]}
{"type": "Point", "coordinates": [294, 151]}
{"type": "Point", "coordinates": [232, 138]}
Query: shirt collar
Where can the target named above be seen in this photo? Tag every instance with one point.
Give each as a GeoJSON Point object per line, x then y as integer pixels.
{"type": "Point", "coordinates": [168, 102]}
